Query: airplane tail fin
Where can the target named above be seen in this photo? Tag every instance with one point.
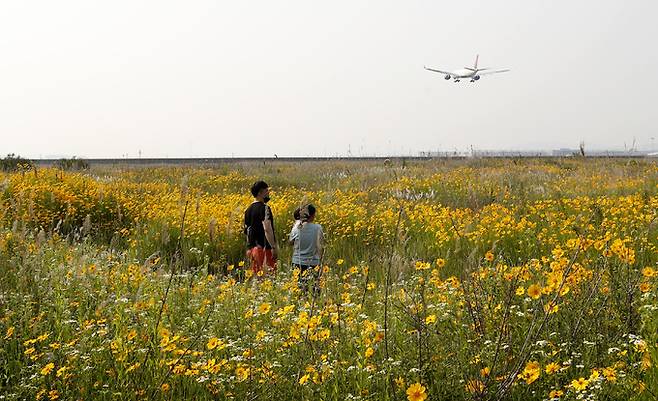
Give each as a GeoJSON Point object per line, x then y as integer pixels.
{"type": "Point", "coordinates": [475, 66]}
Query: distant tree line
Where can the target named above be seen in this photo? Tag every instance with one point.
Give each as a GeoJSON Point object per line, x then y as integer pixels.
{"type": "Point", "coordinates": [72, 164]}
{"type": "Point", "coordinates": [13, 163]}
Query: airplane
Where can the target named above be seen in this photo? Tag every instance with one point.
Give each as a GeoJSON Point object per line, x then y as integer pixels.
{"type": "Point", "coordinates": [473, 73]}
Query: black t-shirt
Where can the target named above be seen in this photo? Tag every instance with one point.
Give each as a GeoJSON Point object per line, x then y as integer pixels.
{"type": "Point", "coordinates": [254, 217]}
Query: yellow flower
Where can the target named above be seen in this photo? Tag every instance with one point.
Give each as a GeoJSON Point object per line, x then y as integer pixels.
{"type": "Point", "coordinates": [649, 272]}
{"type": "Point", "coordinates": [132, 334]}
{"type": "Point", "coordinates": [489, 256]}
{"type": "Point", "coordinates": [61, 371]}
{"type": "Point", "coordinates": [534, 291]}
{"type": "Point", "coordinates": [369, 352]}
{"type": "Point", "coordinates": [551, 368]}
{"type": "Point", "coordinates": [165, 387]}
{"type": "Point", "coordinates": [531, 372]}
{"type": "Point", "coordinates": [430, 319]}
{"type": "Point", "coordinates": [264, 308]}
{"type": "Point", "coordinates": [400, 382]}
{"type": "Point", "coordinates": [440, 262]}
{"type": "Point", "coordinates": [304, 379]}
{"type": "Point", "coordinates": [580, 384]}
{"type": "Point", "coordinates": [340, 262]}
{"type": "Point", "coordinates": [520, 291]}
{"type": "Point", "coordinates": [53, 395]}
{"type": "Point", "coordinates": [474, 386]}
{"type": "Point", "coordinates": [47, 369]}
{"type": "Point", "coordinates": [645, 287]}
{"type": "Point", "coordinates": [416, 392]}
{"type": "Point", "coordinates": [610, 374]}
{"type": "Point", "coordinates": [555, 394]}
{"type": "Point", "coordinates": [215, 342]}
{"type": "Point", "coordinates": [10, 332]}
{"type": "Point", "coordinates": [242, 373]}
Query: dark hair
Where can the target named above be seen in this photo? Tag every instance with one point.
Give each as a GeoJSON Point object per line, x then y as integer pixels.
{"type": "Point", "coordinates": [311, 210]}
{"type": "Point", "coordinates": [257, 187]}
{"type": "Point", "coordinates": [295, 214]}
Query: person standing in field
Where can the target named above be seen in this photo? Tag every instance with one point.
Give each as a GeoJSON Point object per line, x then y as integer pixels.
{"type": "Point", "coordinates": [308, 241]}
{"type": "Point", "coordinates": [262, 249]}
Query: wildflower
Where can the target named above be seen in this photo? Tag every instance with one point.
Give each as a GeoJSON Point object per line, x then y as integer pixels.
{"type": "Point", "coordinates": [474, 386]}
{"type": "Point", "coordinates": [580, 384]}
{"type": "Point", "coordinates": [369, 352]}
{"type": "Point", "coordinates": [165, 387]}
{"type": "Point", "coordinates": [242, 373]}
{"type": "Point", "coordinates": [610, 374]}
{"type": "Point", "coordinates": [213, 343]}
{"type": "Point", "coordinates": [440, 262]}
{"type": "Point", "coordinates": [340, 262]}
{"type": "Point", "coordinates": [520, 291]}
{"type": "Point", "coordinates": [649, 272]}
{"type": "Point", "coordinates": [645, 287]}
{"type": "Point", "coordinates": [53, 395]}
{"type": "Point", "coordinates": [9, 333]}
{"type": "Point", "coordinates": [555, 394]}
{"type": "Point", "coordinates": [531, 372]}
{"type": "Point", "coordinates": [430, 319]}
{"type": "Point", "coordinates": [551, 368]}
{"type": "Point", "coordinates": [264, 308]}
{"type": "Point", "coordinates": [416, 392]}
{"type": "Point", "coordinates": [304, 379]}
{"type": "Point", "coordinates": [489, 256]}
{"type": "Point", "coordinates": [422, 265]}
{"type": "Point", "coordinates": [131, 335]}
{"type": "Point", "coordinates": [47, 369]}
{"type": "Point", "coordinates": [534, 291]}
{"type": "Point", "coordinates": [400, 382]}
{"type": "Point", "coordinates": [61, 371]}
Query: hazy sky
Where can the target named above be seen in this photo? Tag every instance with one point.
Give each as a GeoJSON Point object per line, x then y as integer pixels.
{"type": "Point", "coordinates": [297, 78]}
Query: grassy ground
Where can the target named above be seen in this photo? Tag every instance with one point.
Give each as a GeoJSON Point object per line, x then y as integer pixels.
{"type": "Point", "coordinates": [475, 279]}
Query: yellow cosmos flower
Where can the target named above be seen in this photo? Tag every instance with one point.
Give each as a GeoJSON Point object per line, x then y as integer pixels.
{"type": "Point", "coordinates": [534, 291]}
{"type": "Point", "coordinates": [10, 332]}
{"type": "Point", "coordinates": [47, 369]}
{"type": "Point", "coordinates": [416, 392]}
{"type": "Point", "coordinates": [213, 343]}
{"type": "Point", "coordinates": [551, 368]}
{"type": "Point", "coordinates": [580, 384]}
{"type": "Point", "coordinates": [264, 308]}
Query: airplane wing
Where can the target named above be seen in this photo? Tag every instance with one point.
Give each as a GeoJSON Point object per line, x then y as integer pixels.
{"type": "Point", "coordinates": [439, 71]}
{"type": "Point", "coordinates": [492, 72]}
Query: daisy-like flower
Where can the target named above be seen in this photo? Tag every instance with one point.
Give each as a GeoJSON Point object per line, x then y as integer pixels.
{"type": "Point", "coordinates": [416, 392]}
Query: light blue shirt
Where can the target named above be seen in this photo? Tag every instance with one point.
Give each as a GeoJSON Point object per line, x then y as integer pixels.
{"type": "Point", "coordinates": [307, 242]}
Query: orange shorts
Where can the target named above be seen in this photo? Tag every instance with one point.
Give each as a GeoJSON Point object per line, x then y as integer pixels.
{"type": "Point", "coordinates": [261, 257]}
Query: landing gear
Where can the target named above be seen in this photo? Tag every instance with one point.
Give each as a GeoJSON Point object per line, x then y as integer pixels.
{"type": "Point", "coordinates": [457, 80]}
{"type": "Point", "coordinates": [472, 80]}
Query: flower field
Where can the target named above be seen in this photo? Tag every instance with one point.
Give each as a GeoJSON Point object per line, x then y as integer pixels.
{"type": "Point", "coordinates": [502, 279]}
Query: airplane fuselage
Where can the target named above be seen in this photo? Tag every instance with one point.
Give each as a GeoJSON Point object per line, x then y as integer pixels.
{"type": "Point", "coordinates": [462, 73]}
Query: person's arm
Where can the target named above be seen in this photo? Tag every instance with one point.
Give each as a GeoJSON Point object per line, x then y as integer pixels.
{"type": "Point", "coordinates": [294, 233]}
{"type": "Point", "coordinates": [269, 234]}
{"type": "Point", "coordinates": [320, 243]}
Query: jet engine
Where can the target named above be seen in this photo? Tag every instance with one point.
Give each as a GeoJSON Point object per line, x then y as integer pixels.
{"type": "Point", "coordinates": [447, 77]}
{"type": "Point", "coordinates": [476, 77]}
